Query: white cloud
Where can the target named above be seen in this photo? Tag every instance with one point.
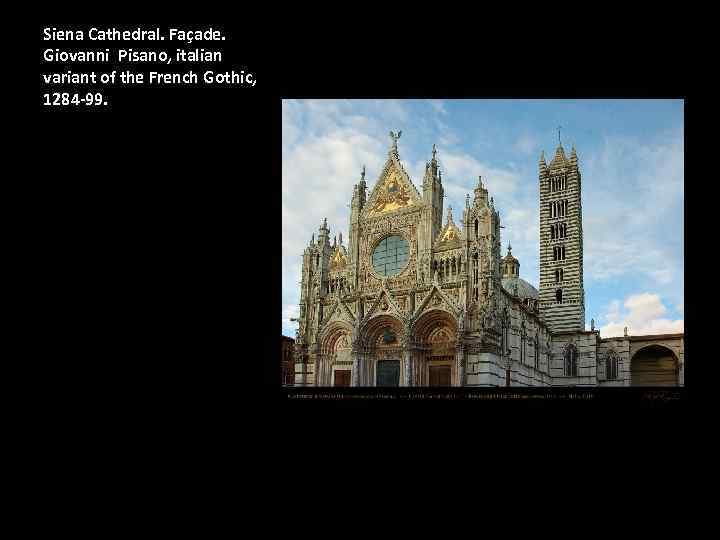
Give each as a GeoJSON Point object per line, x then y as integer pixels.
{"type": "Point", "coordinates": [461, 169]}
{"type": "Point", "coordinates": [528, 144]}
{"type": "Point", "coordinates": [643, 315]}
{"type": "Point", "coordinates": [632, 210]}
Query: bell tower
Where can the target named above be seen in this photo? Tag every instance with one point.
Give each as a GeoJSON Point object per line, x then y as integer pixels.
{"type": "Point", "coordinates": [562, 295]}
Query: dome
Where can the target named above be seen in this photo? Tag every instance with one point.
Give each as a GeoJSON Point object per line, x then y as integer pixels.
{"type": "Point", "coordinates": [509, 258]}
{"type": "Point", "coordinates": [524, 289]}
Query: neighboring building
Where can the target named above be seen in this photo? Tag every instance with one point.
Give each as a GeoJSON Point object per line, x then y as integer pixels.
{"type": "Point", "coordinates": [288, 361]}
{"type": "Point", "coordinates": [413, 302]}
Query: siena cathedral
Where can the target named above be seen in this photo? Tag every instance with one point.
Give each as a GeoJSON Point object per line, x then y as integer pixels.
{"type": "Point", "coordinates": [416, 299]}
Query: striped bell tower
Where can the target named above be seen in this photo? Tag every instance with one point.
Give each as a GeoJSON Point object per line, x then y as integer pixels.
{"type": "Point", "coordinates": [562, 295]}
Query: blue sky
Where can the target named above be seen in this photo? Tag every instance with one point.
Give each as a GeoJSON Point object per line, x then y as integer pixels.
{"type": "Point", "coordinates": [630, 154]}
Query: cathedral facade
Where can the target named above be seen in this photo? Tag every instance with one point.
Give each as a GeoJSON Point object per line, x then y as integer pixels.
{"type": "Point", "coordinates": [418, 300]}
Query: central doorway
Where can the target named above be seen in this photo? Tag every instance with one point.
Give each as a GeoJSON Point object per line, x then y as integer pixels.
{"type": "Point", "coordinates": [342, 377]}
{"type": "Point", "coordinates": [440, 371]}
{"type": "Point", "coordinates": [440, 375]}
{"type": "Point", "coordinates": [387, 373]}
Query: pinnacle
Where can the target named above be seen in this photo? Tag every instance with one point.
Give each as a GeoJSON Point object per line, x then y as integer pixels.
{"type": "Point", "coordinates": [559, 157]}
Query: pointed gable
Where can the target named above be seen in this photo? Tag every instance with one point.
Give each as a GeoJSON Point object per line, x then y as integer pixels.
{"type": "Point", "coordinates": [393, 191]}
{"type": "Point", "coordinates": [338, 259]}
{"type": "Point", "coordinates": [450, 235]}
{"type": "Point", "coordinates": [384, 304]}
{"type": "Point", "coordinates": [436, 298]}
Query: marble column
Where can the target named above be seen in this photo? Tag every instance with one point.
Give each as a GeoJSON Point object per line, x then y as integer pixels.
{"type": "Point", "coordinates": [355, 375]}
{"type": "Point", "coordinates": [319, 370]}
{"type": "Point", "coordinates": [407, 379]}
{"type": "Point", "coordinates": [460, 364]}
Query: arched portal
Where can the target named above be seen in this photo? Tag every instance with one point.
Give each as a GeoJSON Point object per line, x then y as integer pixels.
{"type": "Point", "coordinates": [334, 363]}
{"type": "Point", "coordinates": [435, 336]}
{"type": "Point", "coordinates": [382, 340]}
{"type": "Point", "coordinates": [654, 365]}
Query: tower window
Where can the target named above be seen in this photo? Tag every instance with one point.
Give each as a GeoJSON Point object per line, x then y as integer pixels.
{"type": "Point", "coordinates": [558, 296]}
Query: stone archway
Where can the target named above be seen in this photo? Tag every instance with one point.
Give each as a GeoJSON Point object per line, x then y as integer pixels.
{"type": "Point", "coordinates": [435, 363]}
{"type": "Point", "coordinates": [382, 342]}
{"type": "Point", "coordinates": [654, 365]}
{"type": "Point", "coordinates": [334, 363]}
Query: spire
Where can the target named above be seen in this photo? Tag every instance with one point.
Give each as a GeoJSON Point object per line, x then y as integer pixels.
{"type": "Point", "coordinates": [541, 164]}
{"type": "Point", "coordinates": [480, 191]}
{"type": "Point", "coordinates": [312, 240]}
{"type": "Point", "coordinates": [431, 170]}
{"type": "Point", "coordinates": [335, 241]}
{"type": "Point", "coordinates": [559, 158]}
{"type": "Point", "coordinates": [509, 249]}
{"type": "Point", "coordinates": [340, 239]}
{"type": "Point", "coordinates": [324, 234]}
{"type": "Point", "coordinates": [362, 174]}
{"type": "Point", "coordinates": [573, 155]}
{"type": "Point", "coordinates": [450, 219]}
{"type": "Point", "coordinates": [467, 200]}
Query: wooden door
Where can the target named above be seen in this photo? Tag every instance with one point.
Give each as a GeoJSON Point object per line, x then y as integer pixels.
{"type": "Point", "coordinates": [440, 375]}
{"type": "Point", "coordinates": [342, 377]}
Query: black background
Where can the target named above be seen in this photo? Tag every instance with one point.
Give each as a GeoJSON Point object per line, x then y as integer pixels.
{"type": "Point", "coordinates": [145, 259]}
